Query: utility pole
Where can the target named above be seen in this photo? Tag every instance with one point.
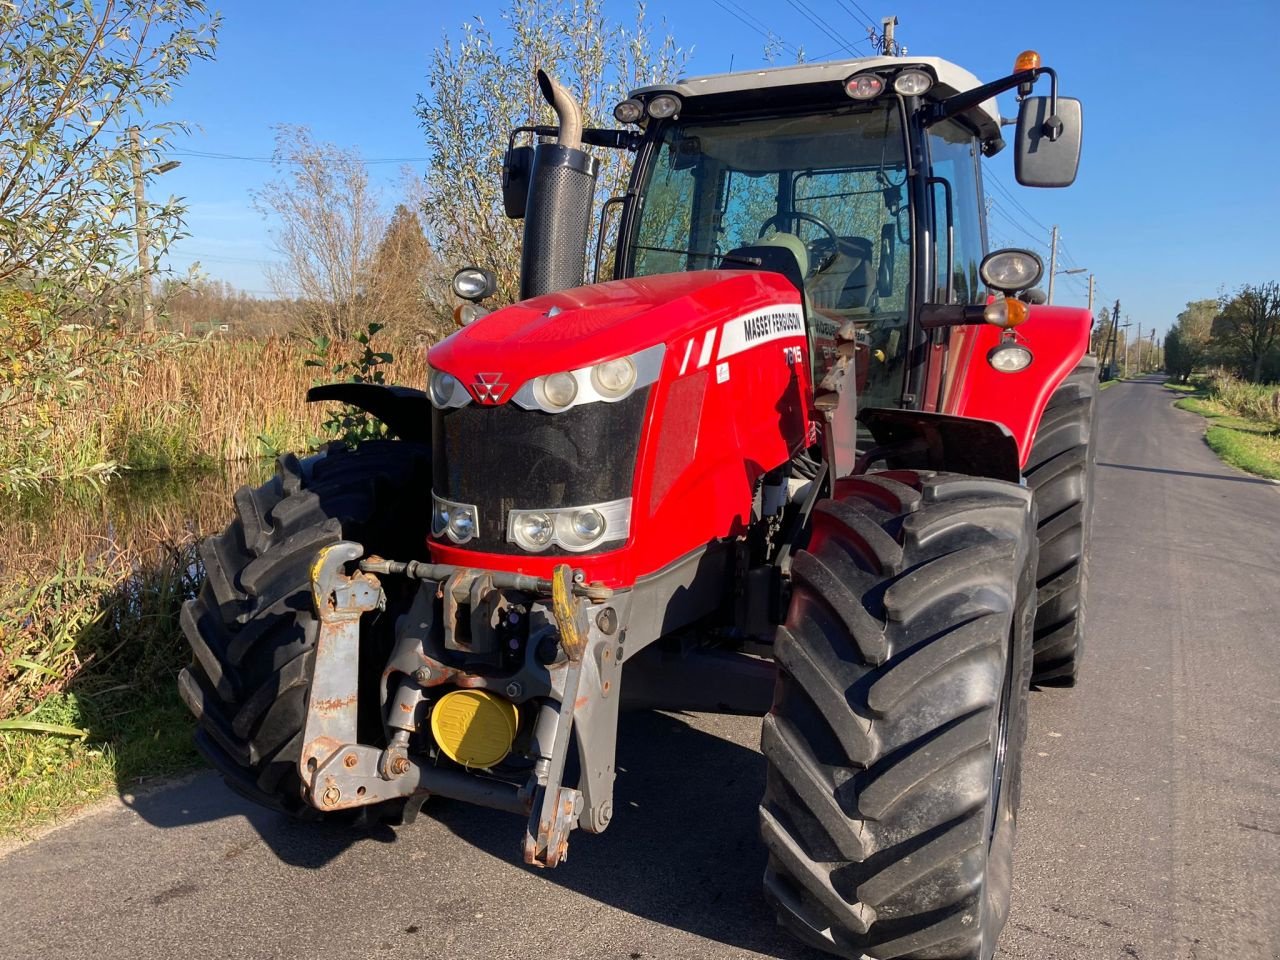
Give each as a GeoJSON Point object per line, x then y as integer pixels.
{"type": "Point", "coordinates": [1126, 325]}
{"type": "Point", "coordinates": [1112, 344]}
{"type": "Point", "coordinates": [1138, 349]}
{"type": "Point", "coordinates": [1053, 259]}
{"type": "Point", "coordinates": [1091, 294]}
{"type": "Point", "coordinates": [145, 320]}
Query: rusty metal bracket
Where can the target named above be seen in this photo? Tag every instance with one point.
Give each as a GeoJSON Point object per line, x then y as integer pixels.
{"type": "Point", "coordinates": [351, 777]}
{"type": "Point", "coordinates": [555, 807]}
{"type": "Point", "coordinates": [332, 708]}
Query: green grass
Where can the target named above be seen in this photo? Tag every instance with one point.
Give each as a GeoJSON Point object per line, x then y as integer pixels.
{"type": "Point", "coordinates": [89, 652]}
{"type": "Point", "coordinates": [1251, 445]}
{"type": "Point", "coordinates": [1183, 387]}
{"type": "Point", "coordinates": [49, 776]}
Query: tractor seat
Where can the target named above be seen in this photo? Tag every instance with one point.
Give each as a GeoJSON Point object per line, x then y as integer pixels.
{"type": "Point", "coordinates": [849, 281]}
{"type": "Point", "coordinates": [783, 253]}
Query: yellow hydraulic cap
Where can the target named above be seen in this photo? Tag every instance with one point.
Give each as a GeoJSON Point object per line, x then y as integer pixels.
{"type": "Point", "coordinates": [474, 727]}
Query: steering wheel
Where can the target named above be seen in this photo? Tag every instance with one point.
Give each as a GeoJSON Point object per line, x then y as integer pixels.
{"type": "Point", "coordinates": [822, 262]}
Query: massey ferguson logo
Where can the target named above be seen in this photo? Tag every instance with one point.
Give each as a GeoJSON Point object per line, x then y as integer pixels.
{"type": "Point", "coordinates": [489, 387]}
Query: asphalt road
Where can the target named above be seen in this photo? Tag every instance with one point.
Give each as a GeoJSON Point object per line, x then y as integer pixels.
{"type": "Point", "coordinates": [1151, 807]}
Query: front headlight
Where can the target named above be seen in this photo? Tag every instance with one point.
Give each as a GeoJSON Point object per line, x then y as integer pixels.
{"type": "Point", "coordinates": [608, 380]}
{"type": "Point", "coordinates": [559, 389]}
{"type": "Point", "coordinates": [571, 528]}
{"type": "Point", "coordinates": [458, 521]}
{"type": "Point", "coordinates": [445, 390]}
{"type": "Point", "coordinates": [614, 378]}
{"type": "Point", "coordinates": [532, 530]}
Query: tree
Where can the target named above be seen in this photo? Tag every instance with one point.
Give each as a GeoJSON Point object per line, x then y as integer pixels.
{"type": "Point", "coordinates": [400, 275]}
{"type": "Point", "coordinates": [1187, 344]}
{"type": "Point", "coordinates": [1248, 326]}
{"type": "Point", "coordinates": [481, 88]}
{"type": "Point", "coordinates": [326, 224]}
{"type": "Point", "coordinates": [74, 76]}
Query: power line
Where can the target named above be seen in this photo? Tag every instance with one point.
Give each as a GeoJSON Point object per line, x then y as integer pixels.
{"type": "Point", "coordinates": [212, 155]}
{"type": "Point", "coordinates": [771, 36]}
{"type": "Point", "coordinates": [1008, 194]}
{"type": "Point", "coordinates": [997, 208]}
{"type": "Point", "coordinates": [803, 10]}
{"type": "Point", "coordinates": [1066, 254]}
{"type": "Point", "coordinates": [866, 21]}
{"type": "Point", "coordinates": [217, 257]}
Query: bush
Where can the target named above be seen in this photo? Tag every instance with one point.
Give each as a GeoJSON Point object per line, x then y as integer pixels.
{"type": "Point", "coordinates": [1249, 400]}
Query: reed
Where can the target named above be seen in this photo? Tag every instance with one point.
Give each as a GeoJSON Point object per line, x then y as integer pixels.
{"type": "Point", "coordinates": [193, 403]}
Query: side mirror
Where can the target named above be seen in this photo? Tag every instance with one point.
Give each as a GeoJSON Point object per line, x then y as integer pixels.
{"type": "Point", "coordinates": [1047, 144]}
{"type": "Point", "coordinates": [517, 167]}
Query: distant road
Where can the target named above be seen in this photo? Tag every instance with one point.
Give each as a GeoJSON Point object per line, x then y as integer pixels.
{"type": "Point", "coordinates": [1151, 807]}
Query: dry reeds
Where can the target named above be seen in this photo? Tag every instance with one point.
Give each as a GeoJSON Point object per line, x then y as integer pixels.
{"type": "Point", "coordinates": [194, 403]}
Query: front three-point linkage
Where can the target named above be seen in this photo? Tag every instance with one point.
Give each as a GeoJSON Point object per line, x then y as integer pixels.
{"type": "Point", "coordinates": [342, 773]}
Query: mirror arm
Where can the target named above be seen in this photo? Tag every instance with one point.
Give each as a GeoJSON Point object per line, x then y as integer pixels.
{"type": "Point", "coordinates": [1052, 126]}
{"type": "Point", "coordinates": [935, 316]}
{"type": "Point", "coordinates": [944, 109]}
{"type": "Point", "coordinates": [591, 137]}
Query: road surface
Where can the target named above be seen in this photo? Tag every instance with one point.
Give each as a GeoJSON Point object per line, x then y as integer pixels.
{"type": "Point", "coordinates": [1151, 811]}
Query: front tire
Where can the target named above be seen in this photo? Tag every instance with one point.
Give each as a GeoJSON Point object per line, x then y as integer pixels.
{"type": "Point", "coordinates": [1060, 474]}
{"type": "Point", "coordinates": [252, 628]}
{"type": "Point", "coordinates": [894, 744]}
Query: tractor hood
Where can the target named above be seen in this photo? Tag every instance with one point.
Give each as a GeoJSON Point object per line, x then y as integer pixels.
{"type": "Point", "coordinates": [571, 329]}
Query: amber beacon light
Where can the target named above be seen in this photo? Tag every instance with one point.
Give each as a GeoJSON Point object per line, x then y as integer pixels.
{"type": "Point", "coordinates": [1027, 60]}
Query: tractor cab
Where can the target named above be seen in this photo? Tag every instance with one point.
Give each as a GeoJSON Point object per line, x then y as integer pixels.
{"type": "Point", "coordinates": [858, 180]}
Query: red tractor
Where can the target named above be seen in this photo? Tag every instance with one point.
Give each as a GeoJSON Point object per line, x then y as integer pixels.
{"type": "Point", "coordinates": [800, 457]}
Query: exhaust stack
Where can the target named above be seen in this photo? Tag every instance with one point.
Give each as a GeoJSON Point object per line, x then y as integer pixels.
{"type": "Point", "coordinates": [557, 220]}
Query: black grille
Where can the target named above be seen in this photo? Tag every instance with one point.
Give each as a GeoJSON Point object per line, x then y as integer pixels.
{"type": "Point", "coordinates": [504, 457]}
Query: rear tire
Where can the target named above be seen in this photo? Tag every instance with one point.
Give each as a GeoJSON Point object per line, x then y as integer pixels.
{"type": "Point", "coordinates": [894, 744]}
{"type": "Point", "coordinates": [253, 629]}
{"type": "Point", "coordinates": [1060, 474]}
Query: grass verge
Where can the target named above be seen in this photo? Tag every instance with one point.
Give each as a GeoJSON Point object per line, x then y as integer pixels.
{"type": "Point", "coordinates": [1249, 444]}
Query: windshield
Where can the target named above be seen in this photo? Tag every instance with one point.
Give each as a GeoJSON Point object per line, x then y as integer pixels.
{"type": "Point", "coordinates": [830, 186]}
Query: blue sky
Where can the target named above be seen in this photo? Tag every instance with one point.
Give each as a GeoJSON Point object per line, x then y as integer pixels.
{"type": "Point", "coordinates": [1175, 200]}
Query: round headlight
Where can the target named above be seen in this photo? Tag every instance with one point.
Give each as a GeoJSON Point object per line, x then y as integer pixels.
{"type": "Point", "coordinates": [462, 525]}
{"type": "Point", "coordinates": [473, 283]}
{"type": "Point", "coordinates": [588, 524]}
{"type": "Point", "coordinates": [559, 389]}
{"type": "Point", "coordinates": [533, 531]}
{"type": "Point", "coordinates": [912, 83]}
{"type": "Point", "coordinates": [613, 378]}
{"type": "Point", "coordinates": [867, 86]}
{"type": "Point", "coordinates": [628, 111]}
{"type": "Point", "coordinates": [664, 105]}
{"type": "Point", "coordinates": [1009, 357]}
{"type": "Point", "coordinates": [443, 386]}
{"type": "Point", "coordinates": [1010, 269]}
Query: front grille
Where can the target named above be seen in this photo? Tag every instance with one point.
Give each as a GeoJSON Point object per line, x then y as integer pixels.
{"type": "Point", "coordinates": [504, 457]}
